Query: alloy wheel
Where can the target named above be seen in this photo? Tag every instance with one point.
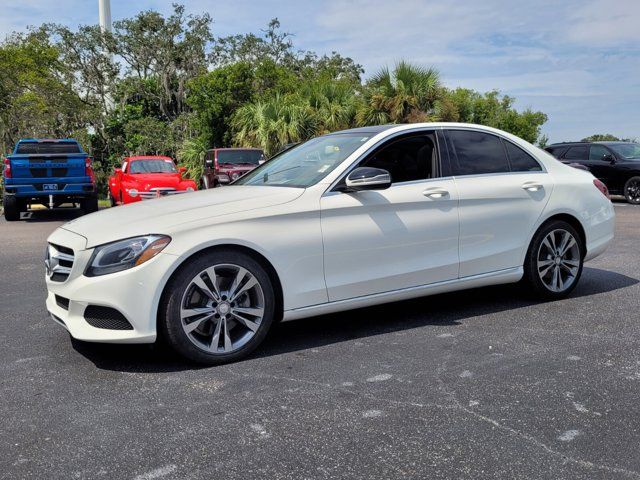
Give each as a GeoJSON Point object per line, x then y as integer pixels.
{"type": "Point", "coordinates": [633, 191]}
{"type": "Point", "coordinates": [222, 308]}
{"type": "Point", "coordinates": [558, 260]}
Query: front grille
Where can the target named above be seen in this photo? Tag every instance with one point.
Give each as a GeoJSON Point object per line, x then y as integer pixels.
{"type": "Point", "coordinates": [59, 261]}
{"type": "Point", "coordinates": [106, 318]}
{"type": "Point", "coordinates": [62, 302]}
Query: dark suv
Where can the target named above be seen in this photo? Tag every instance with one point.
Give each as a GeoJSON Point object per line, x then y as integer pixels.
{"type": "Point", "coordinates": [617, 164]}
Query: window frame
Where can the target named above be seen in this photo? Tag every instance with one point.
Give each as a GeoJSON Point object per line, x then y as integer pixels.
{"type": "Point", "coordinates": [335, 187]}
{"type": "Point", "coordinates": [603, 146]}
{"type": "Point", "coordinates": [451, 154]}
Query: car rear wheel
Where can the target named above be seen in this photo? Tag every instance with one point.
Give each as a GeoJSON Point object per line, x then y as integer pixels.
{"type": "Point", "coordinates": [553, 265]}
{"type": "Point", "coordinates": [632, 190]}
{"type": "Point", "coordinates": [218, 308]}
{"type": "Point", "coordinates": [12, 207]}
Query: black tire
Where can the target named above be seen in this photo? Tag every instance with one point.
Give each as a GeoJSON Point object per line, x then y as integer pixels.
{"type": "Point", "coordinates": [12, 207]}
{"type": "Point", "coordinates": [112, 201]}
{"type": "Point", "coordinates": [89, 204]}
{"type": "Point", "coordinates": [632, 190]}
{"type": "Point", "coordinates": [532, 278]}
{"type": "Point", "coordinates": [170, 324]}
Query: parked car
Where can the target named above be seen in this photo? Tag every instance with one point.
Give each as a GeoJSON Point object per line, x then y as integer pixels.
{"type": "Point", "coordinates": [225, 165]}
{"type": "Point", "coordinates": [617, 164]}
{"type": "Point", "coordinates": [145, 177]}
{"type": "Point", "coordinates": [346, 220]}
{"type": "Point", "coordinates": [48, 172]}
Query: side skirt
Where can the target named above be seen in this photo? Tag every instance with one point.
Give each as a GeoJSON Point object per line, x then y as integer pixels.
{"type": "Point", "coordinates": [509, 275]}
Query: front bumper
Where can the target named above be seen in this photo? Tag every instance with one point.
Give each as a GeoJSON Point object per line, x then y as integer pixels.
{"type": "Point", "coordinates": [135, 293]}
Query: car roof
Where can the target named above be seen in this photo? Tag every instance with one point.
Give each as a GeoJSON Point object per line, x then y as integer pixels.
{"type": "Point", "coordinates": [147, 157]}
{"type": "Point", "coordinates": [604, 142]}
{"type": "Point", "coordinates": [233, 148]}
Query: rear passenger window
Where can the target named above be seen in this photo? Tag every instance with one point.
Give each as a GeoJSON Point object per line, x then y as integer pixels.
{"type": "Point", "coordinates": [520, 160]}
{"type": "Point", "coordinates": [598, 152]}
{"type": "Point", "coordinates": [476, 153]}
{"type": "Point", "coordinates": [577, 153]}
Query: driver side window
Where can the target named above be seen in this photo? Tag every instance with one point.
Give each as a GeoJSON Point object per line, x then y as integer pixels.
{"type": "Point", "coordinates": [598, 152]}
{"type": "Point", "coordinates": [408, 158]}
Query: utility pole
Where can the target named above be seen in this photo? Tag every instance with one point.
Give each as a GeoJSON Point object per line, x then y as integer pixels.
{"type": "Point", "coordinates": [104, 7]}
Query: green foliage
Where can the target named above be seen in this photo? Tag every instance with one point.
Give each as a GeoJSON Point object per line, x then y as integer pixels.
{"type": "Point", "coordinates": [599, 137]}
{"type": "Point", "coordinates": [191, 155]}
{"type": "Point", "coordinates": [493, 110]}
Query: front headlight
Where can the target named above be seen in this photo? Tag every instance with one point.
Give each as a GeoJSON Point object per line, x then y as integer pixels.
{"type": "Point", "coordinates": [235, 176]}
{"type": "Point", "coordinates": [132, 192]}
{"type": "Point", "coordinates": [125, 254]}
{"type": "Point", "coordinates": [190, 189]}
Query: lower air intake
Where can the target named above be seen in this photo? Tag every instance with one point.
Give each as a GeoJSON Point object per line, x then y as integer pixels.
{"type": "Point", "coordinates": [106, 318]}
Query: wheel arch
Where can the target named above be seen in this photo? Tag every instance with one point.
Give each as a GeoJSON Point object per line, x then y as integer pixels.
{"type": "Point", "coordinates": [259, 257]}
{"type": "Point", "coordinates": [571, 220]}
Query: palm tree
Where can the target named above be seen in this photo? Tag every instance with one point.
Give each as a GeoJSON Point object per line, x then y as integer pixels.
{"type": "Point", "coordinates": [273, 122]}
{"type": "Point", "coordinates": [409, 93]}
{"type": "Point", "coordinates": [191, 155]}
{"type": "Point", "coordinates": [333, 103]}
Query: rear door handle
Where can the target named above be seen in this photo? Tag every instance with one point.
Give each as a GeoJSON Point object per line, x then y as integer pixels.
{"type": "Point", "coordinates": [435, 192]}
{"type": "Point", "coordinates": [532, 186]}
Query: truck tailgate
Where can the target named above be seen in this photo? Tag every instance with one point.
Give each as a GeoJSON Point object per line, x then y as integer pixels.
{"type": "Point", "coordinates": [48, 165]}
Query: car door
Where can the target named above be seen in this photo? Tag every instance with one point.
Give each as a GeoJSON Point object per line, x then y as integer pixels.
{"type": "Point", "coordinates": [602, 163]}
{"type": "Point", "coordinates": [405, 236]}
{"type": "Point", "coordinates": [502, 192]}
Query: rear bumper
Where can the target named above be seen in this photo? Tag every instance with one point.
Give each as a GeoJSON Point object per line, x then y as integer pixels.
{"type": "Point", "coordinates": [27, 187]}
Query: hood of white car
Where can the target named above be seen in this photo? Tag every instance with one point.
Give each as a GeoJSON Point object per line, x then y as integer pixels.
{"type": "Point", "coordinates": [163, 215]}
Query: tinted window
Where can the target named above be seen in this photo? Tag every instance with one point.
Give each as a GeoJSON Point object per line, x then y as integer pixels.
{"type": "Point", "coordinates": [406, 159]}
{"type": "Point", "coordinates": [48, 147]}
{"type": "Point", "coordinates": [556, 151]}
{"type": "Point", "coordinates": [477, 153]}
{"type": "Point", "coordinates": [598, 152]}
{"type": "Point", "coordinates": [577, 153]}
{"type": "Point", "coordinates": [520, 160]}
{"type": "Point", "coordinates": [238, 157]}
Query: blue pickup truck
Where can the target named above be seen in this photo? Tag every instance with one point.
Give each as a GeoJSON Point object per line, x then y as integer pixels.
{"type": "Point", "coordinates": [48, 172]}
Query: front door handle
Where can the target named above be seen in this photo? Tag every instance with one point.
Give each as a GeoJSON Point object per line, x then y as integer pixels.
{"type": "Point", "coordinates": [532, 186]}
{"type": "Point", "coordinates": [435, 192]}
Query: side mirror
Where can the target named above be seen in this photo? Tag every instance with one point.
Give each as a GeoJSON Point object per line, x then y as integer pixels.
{"type": "Point", "coordinates": [182, 170]}
{"type": "Point", "coordinates": [368, 178]}
{"type": "Point", "coordinates": [208, 163]}
{"type": "Point", "coordinates": [609, 158]}
{"type": "Point", "coordinates": [118, 171]}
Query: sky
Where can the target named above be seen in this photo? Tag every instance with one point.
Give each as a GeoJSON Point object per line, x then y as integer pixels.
{"type": "Point", "coordinates": [578, 61]}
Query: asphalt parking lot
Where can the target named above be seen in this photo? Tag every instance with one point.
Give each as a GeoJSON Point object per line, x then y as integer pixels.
{"type": "Point", "coordinates": [477, 384]}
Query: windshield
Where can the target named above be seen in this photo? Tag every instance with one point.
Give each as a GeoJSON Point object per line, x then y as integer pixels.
{"type": "Point", "coordinates": [237, 157]}
{"type": "Point", "coordinates": [627, 150]}
{"type": "Point", "coordinates": [152, 166]}
{"type": "Point", "coordinates": [306, 164]}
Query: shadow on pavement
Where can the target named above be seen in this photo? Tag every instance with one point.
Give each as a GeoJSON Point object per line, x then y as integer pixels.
{"type": "Point", "coordinates": [444, 309]}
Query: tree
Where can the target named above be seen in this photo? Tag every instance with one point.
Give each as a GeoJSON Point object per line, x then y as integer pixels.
{"type": "Point", "coordinates": [272, 123]}
{"type": "Point", "coordinates": [491, 109]}
{"type": "Point", "coordinates": [599, 137]}
{"type": "Point", "coordinates": [407, 94]}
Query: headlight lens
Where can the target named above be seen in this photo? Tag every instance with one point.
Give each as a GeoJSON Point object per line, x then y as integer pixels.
{"type": "Point", "coordinates": [235, 176]}
{"type": "Point", "coordinates": [189, 189]}
{"type": "Point", "coordinates": [133, 192]}
{"type": "Point", "coordinates": [125, 254]}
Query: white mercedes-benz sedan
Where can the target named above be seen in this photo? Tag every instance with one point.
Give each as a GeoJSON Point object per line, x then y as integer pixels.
{"type": "Point", "coordinates": [346, 220]}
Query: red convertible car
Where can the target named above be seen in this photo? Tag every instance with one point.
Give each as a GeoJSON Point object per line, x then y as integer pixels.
{"type": "Point", "coordinates": [145, 177]}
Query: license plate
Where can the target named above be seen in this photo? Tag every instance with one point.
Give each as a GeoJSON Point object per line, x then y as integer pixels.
{"type": "Point", "coordinates": [50, 186]}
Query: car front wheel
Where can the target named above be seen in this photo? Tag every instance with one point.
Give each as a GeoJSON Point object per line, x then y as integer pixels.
{"type": "Point", "coordinates": [218, 308]}
{"type": "Point", "coordinates": [553, 265]}
{"type": "Point", "coordinates": [632, 190]}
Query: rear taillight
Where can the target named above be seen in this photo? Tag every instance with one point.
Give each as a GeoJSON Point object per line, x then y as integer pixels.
{"type": "Point", "coordinates": [602, 187]}
{"type": "Point", "coordinates": [88, 170]}
{"type": "Point", "coordinates": [215, 163]}
{"type": "Point", "coordinates": [7, 168]}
